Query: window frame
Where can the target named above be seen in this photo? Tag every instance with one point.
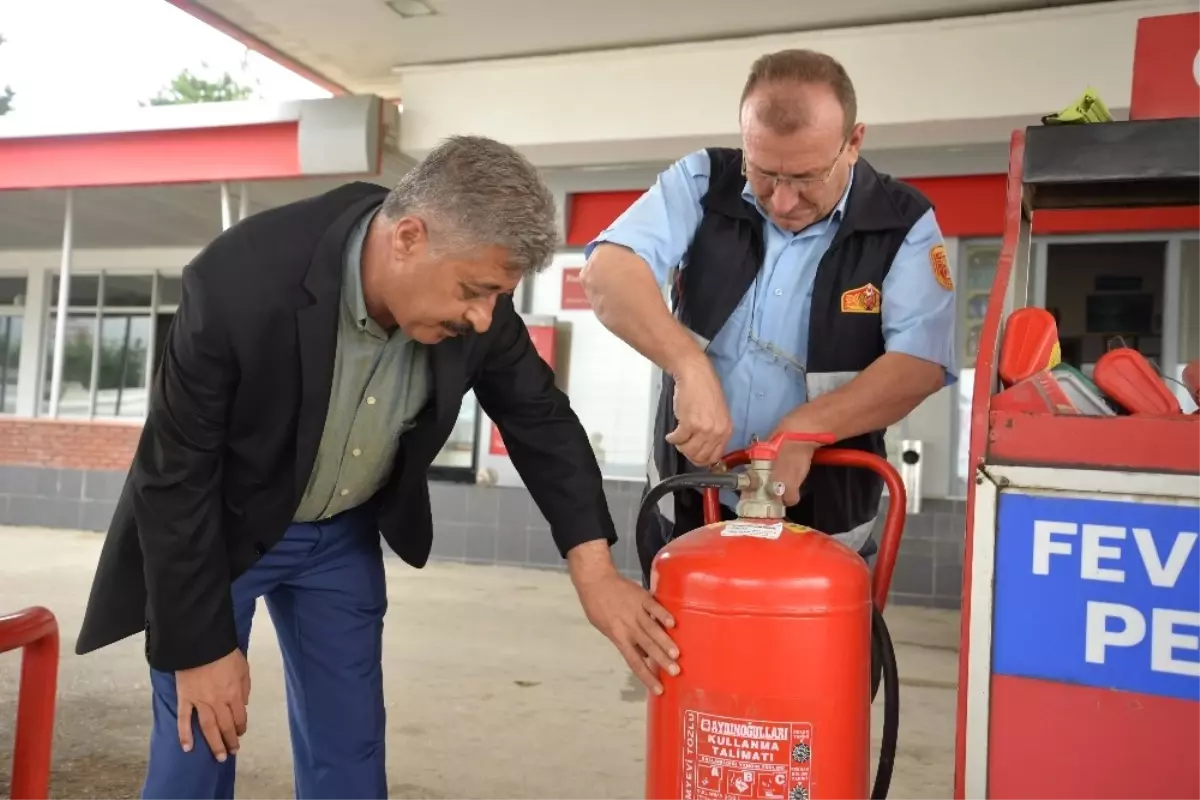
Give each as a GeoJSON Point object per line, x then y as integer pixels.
{"type": "Point", "coordinates": [98, 312]}
{"type": "Point", "coordinates": [444, 473]}
{"type": "Point", "coordinates": [157, 308]}
{"type": "Point", "coordinates": [1173, 284]}
{"type": "Point", "coordinates": [20, 313]}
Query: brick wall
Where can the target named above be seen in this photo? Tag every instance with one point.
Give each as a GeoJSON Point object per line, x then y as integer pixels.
{"type": "Point", "coordinates": [61, 444]}
{"type": "Point", "coordinates": [70, 474]}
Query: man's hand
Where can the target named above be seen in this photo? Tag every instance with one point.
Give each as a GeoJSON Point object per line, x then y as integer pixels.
{"type": "Point", "coordinates": [704, 425]}
{"type": "Point", "coordinates": [218, 693]}
{"type": "Point", "coordinates": [795, 458]}
{"type": "Point", "coordinates": [791, 468]}
{"type": "Point", "coordinates": [624, 612]}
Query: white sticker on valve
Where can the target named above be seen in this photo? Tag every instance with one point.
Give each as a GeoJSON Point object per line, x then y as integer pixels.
{"type": "Point", "coordinates": [758, 530]}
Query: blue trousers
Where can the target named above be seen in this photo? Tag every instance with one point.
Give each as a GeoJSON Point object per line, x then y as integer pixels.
{"type": "Point", "coordinates": [324, 588]}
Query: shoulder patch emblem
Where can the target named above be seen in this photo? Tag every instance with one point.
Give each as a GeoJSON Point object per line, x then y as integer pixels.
{"type": "Point", "coordinates": [941, 267]}
{"type": "Point", "coordinates": [863, 300]}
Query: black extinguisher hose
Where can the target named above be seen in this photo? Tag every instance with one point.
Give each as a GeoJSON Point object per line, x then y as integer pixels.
{"type": "Point", "coordinates": [882, 641]}
{"type": "Point", "coordinates": [694, 480]}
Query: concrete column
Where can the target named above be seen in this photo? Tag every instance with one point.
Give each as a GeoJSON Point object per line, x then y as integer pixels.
{"type": "Point", "coordinates": [64, 289]}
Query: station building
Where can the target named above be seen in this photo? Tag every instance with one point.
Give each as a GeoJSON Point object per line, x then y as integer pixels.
{"type": "Point", "coordinates": [96, 222]}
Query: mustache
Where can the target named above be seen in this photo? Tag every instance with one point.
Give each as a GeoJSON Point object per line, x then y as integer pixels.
{"type": "Point", "coordinates": [457, 328]}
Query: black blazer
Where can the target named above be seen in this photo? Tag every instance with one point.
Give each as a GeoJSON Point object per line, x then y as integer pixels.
{"type": "Point", "coordinates": [236, 414]}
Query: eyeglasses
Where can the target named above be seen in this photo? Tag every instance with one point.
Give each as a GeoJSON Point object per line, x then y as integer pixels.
{"type": "Point", "coordinates": [800, 183]}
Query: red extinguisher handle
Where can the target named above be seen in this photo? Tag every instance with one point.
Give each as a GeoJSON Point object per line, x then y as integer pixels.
{"type": "Point", "coordinates": [893, 520]}
{"type": "Point", "coordinates": [769, 450]}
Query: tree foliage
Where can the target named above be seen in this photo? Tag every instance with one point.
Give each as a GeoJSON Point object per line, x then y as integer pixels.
{"type": "Point", "coordinates": [188, 87]}
{"type": "Point", "coordinates": [6, 95]}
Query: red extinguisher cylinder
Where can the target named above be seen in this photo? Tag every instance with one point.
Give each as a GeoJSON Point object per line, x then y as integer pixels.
{"type": "Point", "coordinates": [773, 699]}
{"type": "Point", "coordinates": [893, 520]}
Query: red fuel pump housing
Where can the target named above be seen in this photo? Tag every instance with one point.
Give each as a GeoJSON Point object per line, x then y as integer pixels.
{"type": "Point", "coordinates": [773, 622]}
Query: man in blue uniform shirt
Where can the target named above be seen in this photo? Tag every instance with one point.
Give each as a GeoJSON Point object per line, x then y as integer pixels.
{"type": "Point", "coordinates": [809, 293]}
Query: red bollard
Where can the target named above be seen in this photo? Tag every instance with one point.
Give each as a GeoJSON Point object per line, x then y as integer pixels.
{"type": "Point", "coordinates": [36, 631]}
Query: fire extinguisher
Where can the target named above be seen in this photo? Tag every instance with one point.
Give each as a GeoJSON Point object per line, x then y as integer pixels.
{"type": "Point", "coordinates": [779, 626]}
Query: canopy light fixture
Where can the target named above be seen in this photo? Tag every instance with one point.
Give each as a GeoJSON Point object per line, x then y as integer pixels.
{"type": "Point", "coordinates": [410, 8]}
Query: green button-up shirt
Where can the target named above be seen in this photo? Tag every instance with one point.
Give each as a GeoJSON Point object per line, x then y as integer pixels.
{"type": "Point", "coordinates": [380, 382]}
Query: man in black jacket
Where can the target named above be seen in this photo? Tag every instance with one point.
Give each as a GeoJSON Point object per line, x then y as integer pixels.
{"type": "Point", "coordinates": [315, 367]}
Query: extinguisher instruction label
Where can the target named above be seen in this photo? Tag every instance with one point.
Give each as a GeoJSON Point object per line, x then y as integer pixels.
{"type": "Point", "coordinates": [759, 530]}
{"type": "Point", "coordinates": [725, 758]}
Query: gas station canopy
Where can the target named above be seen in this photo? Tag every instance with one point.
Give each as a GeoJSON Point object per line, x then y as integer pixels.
{"type": "Point", "coordinates": [628, 82]}
{"type": "Point", "coordinates": [358, 44]}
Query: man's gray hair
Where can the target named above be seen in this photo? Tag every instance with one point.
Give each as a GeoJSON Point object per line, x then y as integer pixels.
{"type": "Point", "coordinates": [474, 192]}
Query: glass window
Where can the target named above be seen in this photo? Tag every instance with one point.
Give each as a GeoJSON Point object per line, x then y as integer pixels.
{"type": "Point", "coordinates": [976, 271]}
{"type": "Point", "coordinates": [111, 332]}
{"type": "Point", "coordinates": [10, 360]}
{"type": "Point", "coordinates": [80, 337]}
{"type": "Point", "coordinates": [12, 318]}
{"type": "Point", "coordinates": [12, 291]}
{"type": "Point", "coordinates": [129, 291]}
{"type": "Point", "coordinates": [1189, 314]}
{"type": "Point", "coordinates": [170, 291]}
{"type": "Point", "coordinates": [121, 376]}
{"type": "Point", "coordinates": [84, 291]}
{"type": "Point", "coordinates": [1106, 292]}
{"type": "Point", "coordinates": [962, 432]}
{"type": "Point", "coordinates": [459, 450]}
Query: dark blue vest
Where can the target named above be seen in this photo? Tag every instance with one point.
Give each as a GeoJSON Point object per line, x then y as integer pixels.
{"type": "Point", "coordinates": [721, 265]}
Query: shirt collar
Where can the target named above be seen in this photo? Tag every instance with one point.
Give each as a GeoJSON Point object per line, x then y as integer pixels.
{"type": "Point", "coordinates": [352, 276]}
{"type": "Point", "coordinates": [834, 217]}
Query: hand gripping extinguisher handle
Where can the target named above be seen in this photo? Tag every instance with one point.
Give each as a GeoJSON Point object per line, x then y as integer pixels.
{"type": "Point", "coordinates": [759, 451]}
{"type": "Point", "coordinates": [893, 521]}
{"type": "Point", "coordinates": [769, 450]}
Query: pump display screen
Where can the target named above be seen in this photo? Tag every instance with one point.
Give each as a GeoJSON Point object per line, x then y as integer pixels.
{"type": "Point", "coordinates": [1096, 592]}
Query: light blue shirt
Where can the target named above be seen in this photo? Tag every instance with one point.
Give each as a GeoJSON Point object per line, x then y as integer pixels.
{"type": "Point", "coordinates": [762, 386]}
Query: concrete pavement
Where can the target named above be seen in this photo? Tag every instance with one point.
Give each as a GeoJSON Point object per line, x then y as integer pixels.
{"type": "Point", "coordinates": [497, 687]}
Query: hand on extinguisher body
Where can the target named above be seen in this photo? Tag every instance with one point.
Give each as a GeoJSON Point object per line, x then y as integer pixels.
{"type": "Point", "coordinates": [1191, 379]}
{"type": "Point", "coordinates": [624, 612]}
{"type": "Point", "coordinates": [704, 425]}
